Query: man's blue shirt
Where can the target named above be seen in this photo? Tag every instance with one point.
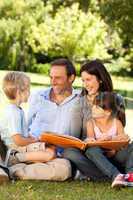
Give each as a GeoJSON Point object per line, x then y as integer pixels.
{"type": "Point", "coordinates": [45, 115]}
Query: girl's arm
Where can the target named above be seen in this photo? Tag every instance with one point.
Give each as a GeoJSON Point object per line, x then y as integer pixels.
{"type": "Point", "coordinates": [21, 141]}
{"type": "Point", "coordinates": [90, 130]}
{"type": "Point", "coordinates": [120, 131]}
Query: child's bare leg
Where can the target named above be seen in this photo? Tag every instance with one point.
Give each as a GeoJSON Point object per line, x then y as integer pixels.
{"type": "Point", "coordinates": [39, 156]}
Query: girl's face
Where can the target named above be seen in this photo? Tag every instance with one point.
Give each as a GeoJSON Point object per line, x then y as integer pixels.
{"type": "Point", "coordinates": [98, 112]}
{"type": "Point", "coordinates": [90, 83]}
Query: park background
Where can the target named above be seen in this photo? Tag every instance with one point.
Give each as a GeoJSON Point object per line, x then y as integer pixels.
{"type": "Point", "coordinates": [35, 32]}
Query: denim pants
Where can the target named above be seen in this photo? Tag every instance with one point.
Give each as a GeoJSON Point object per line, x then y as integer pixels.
{"type": "Point", "coordinates": [96, 155]}
{"type": "Point", "coordinates": [123, 157]}
{"type": "Point", "coordinates": [94, 164]}
{"type": "Point", "coordinates": [82, 163]}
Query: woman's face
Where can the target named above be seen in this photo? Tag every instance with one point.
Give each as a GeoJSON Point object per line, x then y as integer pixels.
{"type": "Point", "coordinates": [90, 83]}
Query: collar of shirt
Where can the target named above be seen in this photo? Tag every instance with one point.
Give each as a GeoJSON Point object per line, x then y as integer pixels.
{"type": "Point", "coordinates": [46, 95]}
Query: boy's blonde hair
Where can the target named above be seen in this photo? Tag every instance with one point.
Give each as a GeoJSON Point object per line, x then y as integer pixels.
{"type": "Point", "coordinates": [14, 81]}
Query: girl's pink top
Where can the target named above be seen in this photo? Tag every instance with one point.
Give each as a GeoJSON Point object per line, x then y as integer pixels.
{"type": "Point", "coordinates": [111, 132]}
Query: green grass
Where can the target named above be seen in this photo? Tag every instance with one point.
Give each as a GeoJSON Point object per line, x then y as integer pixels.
{"type": "Point", "coordinates": [68, 190]}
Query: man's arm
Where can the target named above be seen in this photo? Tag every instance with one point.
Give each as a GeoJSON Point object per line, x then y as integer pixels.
{"type": "Point", "coordinates": [90, 131]}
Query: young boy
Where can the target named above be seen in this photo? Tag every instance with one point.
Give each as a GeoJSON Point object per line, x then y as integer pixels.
{"type": "Point", "coordinates": [16, 86]}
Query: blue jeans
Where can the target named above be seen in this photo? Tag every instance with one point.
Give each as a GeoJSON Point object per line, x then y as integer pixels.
{"type": "Point", "coordinates": [124, 158]}
{"type": "Point", "coordinates": [82, 163]}
{"type": "Point", "coordinates": [96, 155]}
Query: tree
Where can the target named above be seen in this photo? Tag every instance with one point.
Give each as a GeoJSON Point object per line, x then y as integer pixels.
{"type": "Point", "coordinates": [119, 16]}
{"type": "Point", "coordinates": [16, 19]}
{"type": "Point", "coordinates": [70, 33]}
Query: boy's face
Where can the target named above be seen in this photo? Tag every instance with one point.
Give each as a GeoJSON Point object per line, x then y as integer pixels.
{"type": "Point", "coordinates": [24, 95]}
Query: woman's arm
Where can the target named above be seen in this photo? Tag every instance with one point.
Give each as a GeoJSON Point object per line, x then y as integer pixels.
{"type": "Point", "coordinates": [90, 130]}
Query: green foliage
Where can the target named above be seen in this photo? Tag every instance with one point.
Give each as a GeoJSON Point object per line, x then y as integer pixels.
{"type": "Point", "coordinates": [41, 68]}
{"type": "Point", "coordinates": [16, 19]}
{"type": "Point", "coordinates": [31, 27]}
{"type": "Point", "coordinates": [41, 30]}
{"type": "Point", "coordinates": [70, 33]}
{"type": "Point", "coordinates": [119, 14]}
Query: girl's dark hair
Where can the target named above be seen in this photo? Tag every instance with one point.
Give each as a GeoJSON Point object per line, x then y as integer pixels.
{"type": "Point", "coordinates": [111, 101]}
{"type": "Point", "coordinates": [96, 68]}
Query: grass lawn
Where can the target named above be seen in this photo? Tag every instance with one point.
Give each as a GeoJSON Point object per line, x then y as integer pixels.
{"type": "Point", "coordinates": [69, 190]}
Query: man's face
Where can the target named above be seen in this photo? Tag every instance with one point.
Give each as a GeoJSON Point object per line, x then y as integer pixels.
{"type": "Point", "coordinates": [59, 80]}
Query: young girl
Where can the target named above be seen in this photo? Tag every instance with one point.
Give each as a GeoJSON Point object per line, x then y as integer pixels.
{"type": "Point", "coordinates": [16, 86]}
{"type": "Point", "coordinates": [105, 125]}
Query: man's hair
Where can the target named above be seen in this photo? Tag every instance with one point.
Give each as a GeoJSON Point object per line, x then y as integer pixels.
{"type": "Point", "coordinates": [14, 81]}
{"type": "Point", "coordinates": [70, 69]}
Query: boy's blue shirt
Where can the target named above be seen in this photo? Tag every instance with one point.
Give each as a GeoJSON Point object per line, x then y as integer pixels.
{"type": "Point", "coordinates": [13, 122]}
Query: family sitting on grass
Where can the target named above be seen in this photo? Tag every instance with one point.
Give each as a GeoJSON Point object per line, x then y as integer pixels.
{"type": "Point", "coordinates": [95, 113]}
